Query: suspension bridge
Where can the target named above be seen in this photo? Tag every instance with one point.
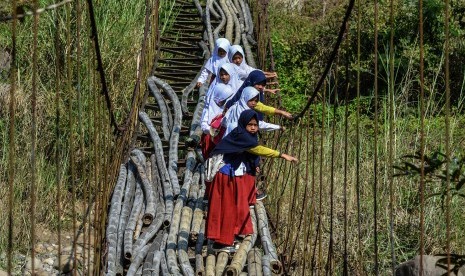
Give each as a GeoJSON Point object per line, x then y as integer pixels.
{"type": "Point", "coordinates": [128, 188]}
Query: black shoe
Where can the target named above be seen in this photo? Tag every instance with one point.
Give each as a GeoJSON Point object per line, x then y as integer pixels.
{"type": "Point", "coordinates": [261, 195]}
{"type": "Point", "coordinates": [218, 247]}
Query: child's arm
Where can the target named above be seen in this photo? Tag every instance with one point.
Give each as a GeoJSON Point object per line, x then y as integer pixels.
{"type": "Point", "coordinates": [268, 126]}
{"type": "Point", "coordinates": [267, 152]}
{"type": "Point", "coordinates": [268, 110]}
{"type": "Point", "coordinates": [203, 77]}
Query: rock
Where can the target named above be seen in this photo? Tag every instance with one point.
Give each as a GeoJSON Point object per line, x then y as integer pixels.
{"type": "Point", "coordinates": [49, 261]}
{"type": "Point", "coordinates": [430, 267]}
{"type": "Point", "coordinates": [37, 264]}
{"type": "Point", "coordinates": [40, 248]}
{"type": "Point", "coordinates": [65, 265]}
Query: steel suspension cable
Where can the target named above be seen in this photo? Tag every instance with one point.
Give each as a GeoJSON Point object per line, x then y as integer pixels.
{"type": "Point", "coordinates": [309, 206]}
{"type": "Point", "coordinates": [346, 156]}
{"type": "Point", "coordinates": [58, 165]}
{"type": "Point", "coordinates": [296, 194]}
{"type": "Point", "coordinates": [11, 140]}
{"type": "Point", "coordinates": [33, 192]}
{"type": "Point", "coordinates": [448, 151]}
{"type": "Point", "coordinates": [422, 139]}
{"type": "Point", "coordinates": [329, 262]}
{"type": "Point", "coordinates": [330, 60]}
{"type": "Point", "coordinates": [100, 67]}
{"type": "Point", "coordinates": [375, 163]}
{"type": "Point", "coordinates": [391, 137]}
{"type": "Point", "coordinates": [81, 130]}
{"type": "Point", "coordinates": [70, 92]}
{"type": "Point", "coordinates": [357, 138]}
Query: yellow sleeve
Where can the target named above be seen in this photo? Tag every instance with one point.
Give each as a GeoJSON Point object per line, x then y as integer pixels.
{"type": "Point", "coordinates": [265, 109]}
{"type": "Point", "coordinates": [264, 151]}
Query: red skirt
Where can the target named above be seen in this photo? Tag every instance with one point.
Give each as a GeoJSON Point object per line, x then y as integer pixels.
{"type": "Point", "coordinates": [228, 210]}
{"type": "Point", "coordinates": [207, 145]}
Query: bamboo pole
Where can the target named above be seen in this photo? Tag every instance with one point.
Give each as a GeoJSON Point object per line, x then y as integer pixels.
{"type": "Point", "coordinates": [136, 263]}
{"type": "Point", "coordinates": [216, 32]}
{"type": "Point", "coordinates": [240, 257]}
{"type": "Point", "coordinates": [254, 262]}
{"type": "Point", "coordinates": [161, 165]}
{"type": "Point", "coordinates": [267, 243]}
{"type": "Point", "coordinates": [199, 265]}
{"type": "Point", "coordinates": [210, 269]}
{"type": "Point", "coordinates": [221, 262]}
{"type": "Point", "coordinates": [132, 221]}
{"type": "Point", "coordinates": [166, 119]}
{"type": "Point", "coordinates": [138, 158]}
{"type": "Point", "coordinates": [113, 221]}
{"type": "Point", "coordinates": [174, 138]}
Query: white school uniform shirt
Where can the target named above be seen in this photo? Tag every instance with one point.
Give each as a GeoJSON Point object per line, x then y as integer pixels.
{"type": "Point", "coordinates": [220, 93]}
{"type": "Point", "coordinates": [232, 116]}
{"type": "Point", "coordinates": [215, 61]}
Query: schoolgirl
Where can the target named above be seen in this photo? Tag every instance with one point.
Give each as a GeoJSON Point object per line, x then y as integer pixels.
{"type": "Point", "coordinates": [219, 56]}
{"type": "Point", "coordinates": [236, 56]}
{"type": "Point", "coordinates": [233, 186]}
{"type": "Point", "coordinates": [257, 79]}
{"type": "Point", "coordinates": [220, 94]}
{"type": "Point", "coordinates": [250, 100]}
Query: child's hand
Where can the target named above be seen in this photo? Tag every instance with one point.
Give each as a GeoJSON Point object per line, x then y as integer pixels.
{"type": "Point", "coordinates": [198, 84]}
{"type": "Point", "coordinates": [257, 170]}
{"type": "Point", "coordinates": [272, 91]}
{"type": "Point", "coordinates": [282, 128]}
{"type": "Point", "coordinates": [285, 114]}
{"type": "Point", "coordinates": [289, 158]}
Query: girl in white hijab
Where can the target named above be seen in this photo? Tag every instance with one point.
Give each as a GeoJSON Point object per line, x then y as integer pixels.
{"type": "Point", "coordinates": [249, 100]}
{"type": "Point", "coordinates": [237, 57]}
{"type": "Point", "coordinates": [219, 56]}
{"type": "Point", "coordinates": [220, 94]}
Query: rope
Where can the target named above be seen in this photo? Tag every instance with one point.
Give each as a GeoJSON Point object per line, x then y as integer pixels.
{"type": "Point", "coordinates": [11, 141]}
{"type": "Point", "coordinates": [375, 163]}
{"type": "Point", "coordinates": [34, 135]}
{"type": "Point", "coordinates": [391, 138]}
{"type": "Point", "coordinates": [320, 207]}
{"type": "Point", "coordinates": [36, 11]}
{"type": "Point", "coordinates": [308, 206]}
{"type": "Point", "coordinates": [330, 60]}
{"type": "Point", "coordinates": [100, 67]}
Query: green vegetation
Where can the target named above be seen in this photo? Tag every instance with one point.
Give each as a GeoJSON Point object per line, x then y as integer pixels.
{"type": "Point", "coordinates": [302, 41]}
{"type": "Point", "coordinates": [73, 134]}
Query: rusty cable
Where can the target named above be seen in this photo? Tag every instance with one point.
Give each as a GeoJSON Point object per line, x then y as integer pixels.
{"type": "Point", "coordinates": [32, 206]}
{"type": "Point", "coordinates": [346, 157]}
{"type": "Point", "coordinates": [357, 138]}
{"type": "Point", "coordinates": [330, 60]}
{"type": "Point", "coordinates": [375, 163]}
{"type": "Point", "coordinates": [69, 77]}
{"type": "Point", "coordinates": [100, 67]}
{"type": "Point", "coordinates": [448, 153]}
{"type": "Point", "coordinates": [11, 140]}
{"type": "Point", "coordinates": [391, 137]}
{"type": "Point", "coordinates": [329, 262]}
{"type": "Point", "coordinates": [422, 139]}
{"type": "Point", "coordinates": [58, 164]}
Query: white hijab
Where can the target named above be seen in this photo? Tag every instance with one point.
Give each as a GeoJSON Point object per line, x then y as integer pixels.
{"type": "Point", "coordinates": [220, 93]}
{"type": "Point", "coordinates": [216, 61]}
{"type": "Point", "coordinates": [232, 116]}
{"type": "Point", "coordinates": [234, 82]}
{"type": "Point", "coordinates": [243, 69]}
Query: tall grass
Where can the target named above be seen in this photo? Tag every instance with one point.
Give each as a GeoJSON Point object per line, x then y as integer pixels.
{"type": "Point", "coordinates": [79, 137]}
{"type": "Point", "coordinates": [293, 204]}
